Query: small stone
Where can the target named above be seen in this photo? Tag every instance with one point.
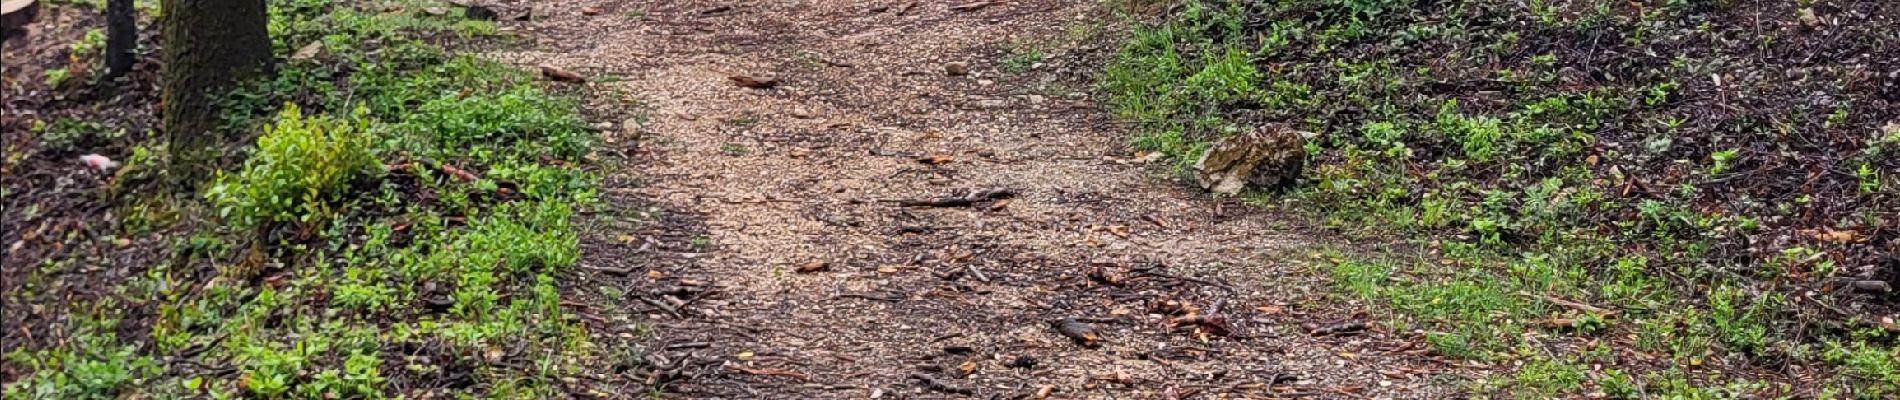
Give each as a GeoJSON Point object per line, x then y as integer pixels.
{"type": "Point", "coordinates": [956, 68]}
{"type": "Point", "coordinates": [985, 82]}
{"type": "Point", "coordinates": [801, 113]}
{"type": "Point", "coordinates": [590, 11]}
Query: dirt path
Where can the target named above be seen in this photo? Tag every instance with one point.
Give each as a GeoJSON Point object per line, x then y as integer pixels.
{"type": "Point", "coordinates": [750, 184]}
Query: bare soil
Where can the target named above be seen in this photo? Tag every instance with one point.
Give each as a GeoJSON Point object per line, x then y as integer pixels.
{"type": "Point", "coordinates": [744, 186]}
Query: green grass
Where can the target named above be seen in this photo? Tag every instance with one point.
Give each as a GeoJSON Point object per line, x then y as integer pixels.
{"type": "Point", "coordinates": [1520, 191]}
{"type": "Point", "coordinates": [1023, 56]}
{"type": "Point", "coordinates": [321, 261]}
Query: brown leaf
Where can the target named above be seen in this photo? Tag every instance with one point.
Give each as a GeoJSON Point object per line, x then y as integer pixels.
{"type": "Point", "coordinates": [1557, 323]}
{"type": "Point", "coordinates": [560, 75]}
{"type": "Point", "coordinates": [754, 81]}
{"type": "Point", "coordinates": [999, 205]}
{"type": "Point", "coordinates": [813, 266]}
{"type": "Point", "coordinates": [936, 159]}
{"type": "Point", "coordinates": [460, 174]}
{"type": "Point", "coordinates": [308, 51]}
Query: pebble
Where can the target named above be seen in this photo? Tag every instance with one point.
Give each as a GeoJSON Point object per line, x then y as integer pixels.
{"type": "Point", "coordinates": [801, 113]}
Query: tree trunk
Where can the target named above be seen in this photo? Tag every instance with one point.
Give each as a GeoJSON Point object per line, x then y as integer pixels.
{"type": "Point", "coordinates": [122, 35]}
{"type": "Point", "coordinates": [208, 46]}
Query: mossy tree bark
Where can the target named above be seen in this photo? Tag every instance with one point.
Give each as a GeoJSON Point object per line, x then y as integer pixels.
{"type": "Point", "coordinates": [208, 46]}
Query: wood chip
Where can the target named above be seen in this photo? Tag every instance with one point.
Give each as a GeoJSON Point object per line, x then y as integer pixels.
{"type": "Point", "coordinates": [813, 266]}
{"type": "Point", "coordinates": [558, 74]}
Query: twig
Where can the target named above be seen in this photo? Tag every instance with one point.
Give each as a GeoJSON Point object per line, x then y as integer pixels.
{"type": "Point", "coordinates": [609, 271]}
{"type": "Point", "coordinates": [688, 345]}
{"type": "Point", "coordinates": [669, 309]}
{"type": "Point", "coordinates": [938, 384]}
{"type": "Point", "coordinates": [977, 273]}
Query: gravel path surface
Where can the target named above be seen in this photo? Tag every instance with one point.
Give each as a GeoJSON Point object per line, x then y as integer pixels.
{"type": "Point", "coordinates": [781, 261]}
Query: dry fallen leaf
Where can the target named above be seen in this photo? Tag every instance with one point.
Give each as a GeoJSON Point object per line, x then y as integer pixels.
{"type": "Point", "coordinates": [936, 159]}
{"type": "Point", "coordinates": [754, 82]}
{"type": "Point", "coordinates": [999, 205]}
{"type": "Point", "coordinates": [308, 51]}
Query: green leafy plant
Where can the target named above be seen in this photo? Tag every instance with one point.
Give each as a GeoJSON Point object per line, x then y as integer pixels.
{"type": "Point", "coordinates": [301, 164]}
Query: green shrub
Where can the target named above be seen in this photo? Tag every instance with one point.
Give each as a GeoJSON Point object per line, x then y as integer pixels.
{"type": "Point", "coordinates": [96, 366]}
{"type": "Point", "coordinates": [300, 165]}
